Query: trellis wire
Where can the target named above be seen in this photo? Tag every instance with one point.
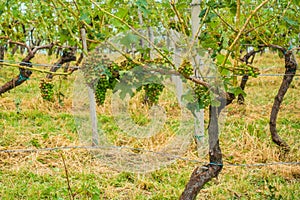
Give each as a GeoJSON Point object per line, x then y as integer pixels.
{"type": "Point", "coordinates": [144, 150]}
{"type": "Point", "coordinates": [2, 62]}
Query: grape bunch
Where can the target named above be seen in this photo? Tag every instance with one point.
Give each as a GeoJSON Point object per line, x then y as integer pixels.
{"type": "Point", "coordinates": [46, 88]}
{"type": "Point", "coordinates": [186, 68]}
{"type": "Point", "coordinates": [100, 73]}
{"type": "Point", "coordinates": [100, 90]}
{"type": "Point", "coordinates": [126, 65]}
{"type": "Point", "coordinates": [202, 96]}
{"type": "Point", "coordinates": [152, 92]}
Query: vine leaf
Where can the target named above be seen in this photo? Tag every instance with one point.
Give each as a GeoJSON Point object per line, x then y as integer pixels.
{"type": "Point", "coordinates": [85, 17]}
{"type": "Point", "coordinates": [236, 91]}
{"type": "Point", "coordinates": [290, 21]}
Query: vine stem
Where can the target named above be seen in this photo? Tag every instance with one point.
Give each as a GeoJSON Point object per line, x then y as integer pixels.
{"type": "Point", "coordinates": [125, 55]}
{"type": "Point", "coordinates": [281, 17]}
{"type": "Point", "coordinates": [224, 21]}
{"type": "Point", "coordinates": [183, 26]}
{"type": "Point", "coordinates": [24, 74]}
{"type": "Point", "coordinates": [237, 48]}
{"type": "Point", "coordinates": [74, 14]}
{"type": "Point", "coordinates": [61, 16]}
{"type": "Point", "coordinates": [290, 71]}
{"type": "Point", "coordinates": [260, 25]}
{"type": "Point", "coordinates": [202, 175]}
{"type": "Point", "coordinates": [242, 30]}
{"type": "Point", "coordinates": [181, 21]}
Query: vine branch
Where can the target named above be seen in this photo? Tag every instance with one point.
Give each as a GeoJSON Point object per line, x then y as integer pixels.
{"type": "Point", "coordinates": [242, 29]}
{"type": "Point", "coordinates": [224, 21]}
{"type": "Point", "coordinates": [136, 32]}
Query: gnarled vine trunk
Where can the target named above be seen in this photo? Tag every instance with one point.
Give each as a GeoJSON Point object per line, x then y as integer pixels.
{"type": "Point", "coordinates": [2, 50]}
{"type": "Point", "coordinates": [241, 98]}
{"type": "Point", "coordinates": [21, 78]}
{"type": "Point", "coordinates": [245, 77]}
{"type": "Point", "coordinates": [24, 73]}
{"type": "Point", "coordinates": [203, 174]}
{"type": "Point", "coordinates": [67, 57]}
{"type": "Point", "coordinates": [290, 71]}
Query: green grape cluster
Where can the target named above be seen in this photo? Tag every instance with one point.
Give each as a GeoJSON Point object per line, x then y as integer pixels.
{"type": "Point", "coordinates": [249, 70]}
{"type": "Point", "coordinates": [103, 84]}
{"type": "Point", "coordinates": [46, 88]}
{"type": "Point", "coordinates": [127, 65]}
{"type": "Point", "coordinates": [202, 96]}
{"type": "Point", "coordinates": [100, 73]}
{"type": "Point", "coordinates": [186, 68]}
{"type": "Point", "coordinates": [100, 90]}
{"type": "Point", "coordinates": [152, 92]}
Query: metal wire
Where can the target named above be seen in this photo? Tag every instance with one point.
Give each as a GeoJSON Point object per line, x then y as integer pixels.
{"type": "Point", "coordinates": [2, 62]}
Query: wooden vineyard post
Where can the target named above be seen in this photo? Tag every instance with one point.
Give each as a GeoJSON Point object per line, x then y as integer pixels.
{"type": "Point", "coordinates": [199, 115]}
{"type": "Point", "coordinates": [93, 113]}
{"type": "Point", "coordinates": [176, 59]}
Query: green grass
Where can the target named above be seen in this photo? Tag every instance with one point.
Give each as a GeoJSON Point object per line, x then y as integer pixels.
{"type": "Point", "coordinates": [29, 122]}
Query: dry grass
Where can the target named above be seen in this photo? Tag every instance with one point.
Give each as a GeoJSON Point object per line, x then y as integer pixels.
{"type": "Point", "coordinates": [244, 139]}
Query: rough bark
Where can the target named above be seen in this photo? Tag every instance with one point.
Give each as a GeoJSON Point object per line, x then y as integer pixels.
{"type": "Point", "coordinates": [241, 98]}
{"type": "Point", "coordinates": [2, 50]}
{"type": "Point", "coordinates": [245, 77]}
{"type": "Point", "coordinates": [66, 67]}
{"type": "Point", "coordinates": [24, 73]}
{"type": "Point", "coordinates": [290, 71]}
{"type": "Point", "coordinates": [18, 80]}
{"type": "Point", "coordinates": [14, 50]}
{"type": "Point", "coordinates": [79, 60]}
{"type": "Point", "coordinates": [73, 69]}
{"type": "Point", "coordinates": [202, 175]}
{"type": "Point", "coordinates": [67, 56]}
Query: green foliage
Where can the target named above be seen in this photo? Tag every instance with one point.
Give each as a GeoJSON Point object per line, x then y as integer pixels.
{"type": "Point", "coordinates": [35, 142]}
{"type": "Point", "coordinates": [236, 91]}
